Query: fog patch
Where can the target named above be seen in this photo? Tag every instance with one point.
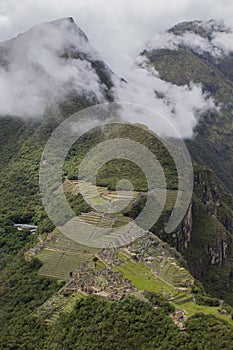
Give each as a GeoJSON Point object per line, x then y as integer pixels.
{"type": "Point", "coordinates": [42, 66]}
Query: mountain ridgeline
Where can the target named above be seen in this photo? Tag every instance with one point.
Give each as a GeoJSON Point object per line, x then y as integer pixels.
{"type": "Point", "coordinates": [64, 74]}
{"type": "Point", "coordinates": [212, 145]}
{"type": "Point", "coordinates": [181, 62]}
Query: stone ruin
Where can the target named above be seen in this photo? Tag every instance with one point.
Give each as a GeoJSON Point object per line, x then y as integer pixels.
{"type": "Point", "coordinates": [103, 282]}
{"type": "Point", "coordinates": [109, 256]}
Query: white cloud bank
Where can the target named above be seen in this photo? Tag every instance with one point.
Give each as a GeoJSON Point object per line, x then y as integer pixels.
{"type": "Point", "coordinates": [180, 106]}
{"type": "Point", "coordinates": [118, 29]}
{"type": "Point", "coordinates": [218, 43]}
{"type": "Point", "coordinates": [34, 76]}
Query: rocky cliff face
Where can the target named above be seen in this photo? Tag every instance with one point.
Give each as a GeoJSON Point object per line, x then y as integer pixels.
{"type": "Point", "coordinates": [182, 236]}
{"type": "Point", "coordinates": [210, 198]}
{"type": "Point", "coordinates": [205, 236]}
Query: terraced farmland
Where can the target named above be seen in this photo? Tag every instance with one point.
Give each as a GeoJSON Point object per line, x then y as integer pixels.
{"type": "Point", "coordinates": [157, 271]}
{"type": "Point", "coordinates": [59, 264]}
{"type": "Point", "coordinates": [143, 278]}
{"type": "Point", "coordinates": [99, 230]}
{"type": "Point", "coordinates": [56, 305]}
{"type": "Point", "coordinates": [161, 275]}
{"type": "Point", "coordinates": [62, 255]}
{"type": "Point", "coordinates": [168, 269]}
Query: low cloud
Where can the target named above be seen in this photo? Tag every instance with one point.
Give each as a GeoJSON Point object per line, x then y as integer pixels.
{"type": "Point", "coordinates": [181, 106]}
{"type": "Point", "coordinates": [218, 40]}
{"type": "Point", "coordinates": [36, 72]}
{"type": "Point", "coordinates": [117, 29]}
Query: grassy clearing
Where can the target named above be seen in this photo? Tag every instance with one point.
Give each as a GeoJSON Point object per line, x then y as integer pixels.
{"type": "Point", "coordinates": [191, 308]}
{"type": "Point", "coordinates": [97, 201]}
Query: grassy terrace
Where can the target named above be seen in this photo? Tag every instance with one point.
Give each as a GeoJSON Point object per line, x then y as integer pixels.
{"type": "Point", "coordinates": [59, 264]}
{"type": "Point", "coordinates": [143, 278]}
{"type": "Point", "coordinates": [62, 255]}
{"type": "Point", "coordinates": [52, 308]}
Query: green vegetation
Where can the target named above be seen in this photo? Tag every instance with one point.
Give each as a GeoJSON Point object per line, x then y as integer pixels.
{"type": "Point", "coordinates": [34, 315]}
{"type": "Point", "coordinates": [142, 278]}
{"type": "Point", "coordinates": [212, 145]}
{"type": "Point", "coordinates": [61, 255]}
{"type": "Point", "coordinates": [156, 288]}
{"type": "Point", "coordinates": [131, 324]}
{"type": "Point", "coordinates": [59, 264]}
{"type": "Point", "coordinates": [118, 169]}
{"type": "Point", "coordinates": [22, 291]}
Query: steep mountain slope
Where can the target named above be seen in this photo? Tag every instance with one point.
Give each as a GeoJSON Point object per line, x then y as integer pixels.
{"type": "Point", "coordinates": [48, 64]}
{"type": "Point", "coordinates": [55, 63]}
{"type": "Point", "coordinates": [205, 235]}
{"type": "Point", "coordinates": [196, 52]}
{"type": "Point", "coordinates": [65, 74]}
{"type": "Point", "coordinates": [190, 52]}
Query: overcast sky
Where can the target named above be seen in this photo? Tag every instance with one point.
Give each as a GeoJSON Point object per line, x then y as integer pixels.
{"type": "Point", "coordinates": [119, 28]}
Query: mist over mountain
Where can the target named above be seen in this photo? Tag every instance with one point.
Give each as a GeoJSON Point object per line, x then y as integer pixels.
{"type": "Point", "coordinates": [54, 61]}
{"type": "Point", "coordinates": [164, 290]}
{"type": "Point", "coordinates": [197, 52]}
{"type": "Point", "coordinates": [47, 64]}
{"type": "Point", "coordinates": [212, 37]}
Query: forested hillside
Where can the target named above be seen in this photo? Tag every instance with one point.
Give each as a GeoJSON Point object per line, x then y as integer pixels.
{"type": "Point", "coordinates": [163, 291]}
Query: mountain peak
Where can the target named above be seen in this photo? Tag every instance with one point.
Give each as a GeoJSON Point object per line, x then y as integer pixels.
{"type": "Point", "coordinates": [65, 24]}
{"type": "Point", "coordinates": [211, 37]}
{"type": "Point", "coordinates": [70, 19]}
{"type": "Point", "coordinates": [205, 29]}
{"type": "Point", "coordinates": [63, 28]}
{"type": "Point", "coordinates": [63, 19]}
{"type": "Point", "coordinates": [48, 62]}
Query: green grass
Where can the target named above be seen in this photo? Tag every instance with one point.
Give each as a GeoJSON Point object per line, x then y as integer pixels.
{"type": "Point", "coordinates": [142, 278]}
{"type": "Point", "coordinates": [99, 265]}
{"type": "Point", "coordinates": [59, 264]}
{"type": "Point", "coordinates": [72, 300]}
{"type": "Point", "coordinates": [62, 242]}
{"type": "Point", "coordinates": [191, 308]}
{"type": "Point", "coordinates": [97, 201]}
{"type": "Point", "coordinates": [123, 255]}
{"type": "Point", "coordinates": [62, 255]}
